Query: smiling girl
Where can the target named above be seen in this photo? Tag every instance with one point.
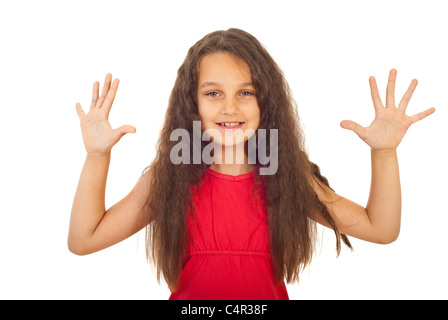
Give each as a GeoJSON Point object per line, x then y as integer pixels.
{"type": "Point", "coordinates": [224, 231]}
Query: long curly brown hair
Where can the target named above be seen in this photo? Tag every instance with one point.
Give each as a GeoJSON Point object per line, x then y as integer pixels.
{"type": "Point", "coordinates": [290, 198]}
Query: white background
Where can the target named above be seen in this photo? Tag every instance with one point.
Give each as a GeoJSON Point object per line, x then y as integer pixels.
{"type": "Point", "coordinates": [52, 52]}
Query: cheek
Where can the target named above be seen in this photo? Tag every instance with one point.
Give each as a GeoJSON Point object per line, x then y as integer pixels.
{"type": "Point", "coordinates": [254, 114]}
{"type": "Point", "coordinates": [207, 118]}
{"type": "Point", "coordinates": [204, 114]}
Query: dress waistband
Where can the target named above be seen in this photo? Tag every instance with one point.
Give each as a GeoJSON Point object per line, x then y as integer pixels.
{"type": "Point", "coordinates": [235, 253]}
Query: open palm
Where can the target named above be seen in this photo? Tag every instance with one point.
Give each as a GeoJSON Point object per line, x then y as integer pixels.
{"type": "Point", "coordinates": [97, 133]}
{"type": "Point", "coordinates": [391, 123]}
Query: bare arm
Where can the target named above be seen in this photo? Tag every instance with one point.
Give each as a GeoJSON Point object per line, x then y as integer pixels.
{"type": "Point", "coordinates": [380, 220]}
{"type": "Point", "coordinates": [384, 204]}
{"type": "Point", "coordinates": [92, 228]}
{"type": "Point", "coordinates": [89, 203]}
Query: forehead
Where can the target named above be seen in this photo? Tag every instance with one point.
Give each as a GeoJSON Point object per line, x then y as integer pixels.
{"type": "Point", "coordinates": [223, 67]}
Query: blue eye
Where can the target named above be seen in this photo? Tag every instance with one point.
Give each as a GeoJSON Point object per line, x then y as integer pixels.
{"type": "Point", "coordinates": [247, 93]}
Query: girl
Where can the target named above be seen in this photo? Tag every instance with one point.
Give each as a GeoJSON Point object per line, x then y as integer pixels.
{"type": "Point", "coordinates": [224, 231]}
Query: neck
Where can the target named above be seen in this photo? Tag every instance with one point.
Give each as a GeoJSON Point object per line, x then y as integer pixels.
{"type": "Point", "coordinates": [231, 160]}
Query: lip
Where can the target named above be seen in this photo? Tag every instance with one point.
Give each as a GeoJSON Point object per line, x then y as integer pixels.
{"type": "Point", "coordinates": [230, 128]}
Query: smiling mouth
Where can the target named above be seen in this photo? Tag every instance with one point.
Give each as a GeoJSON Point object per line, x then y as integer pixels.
{"type": "Point", "coordinates": [230, 125]}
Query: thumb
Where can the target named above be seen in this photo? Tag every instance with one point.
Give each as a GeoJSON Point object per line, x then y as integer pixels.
{"type": "Point", "coordinates": [121, 131]}
{"type": "Point", "coordinates": [356, 128]}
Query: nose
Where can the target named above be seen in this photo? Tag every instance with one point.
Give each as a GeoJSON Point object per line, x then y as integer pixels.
{"type": "Point", "coordinates": [230, 106]}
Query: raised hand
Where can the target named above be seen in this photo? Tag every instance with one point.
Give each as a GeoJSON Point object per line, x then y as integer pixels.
{"type": "Point", "coordinates": [390, 123]}
{"type": "Point", "coordinates": [97, 134]}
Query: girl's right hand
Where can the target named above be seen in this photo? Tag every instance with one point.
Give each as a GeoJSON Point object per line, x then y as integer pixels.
{"type": "Point", "coordinates": [97, 134]}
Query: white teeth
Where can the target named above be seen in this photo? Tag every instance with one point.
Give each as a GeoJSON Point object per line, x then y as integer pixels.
{"type": "Point", "coordinates": [233, 124]}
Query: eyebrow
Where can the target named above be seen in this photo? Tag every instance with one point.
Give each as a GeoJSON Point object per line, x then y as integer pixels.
{"type": "Point", "coordinates": [209, 84]}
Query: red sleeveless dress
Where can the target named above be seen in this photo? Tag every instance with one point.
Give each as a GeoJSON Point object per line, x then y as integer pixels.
{"type": "Point", "coordinates": [228, 257]}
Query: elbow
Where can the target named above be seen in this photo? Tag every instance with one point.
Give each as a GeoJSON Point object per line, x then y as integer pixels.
{"type": "Point", "coordinates": [75, 248]}
{"type": "Point", "coordinates": [389, 238]}
{"type": "Point", "coordinates": [387, 241]}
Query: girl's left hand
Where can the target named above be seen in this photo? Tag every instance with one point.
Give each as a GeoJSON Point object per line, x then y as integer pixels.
{"type": "Point", "coordinates": [390, 123]}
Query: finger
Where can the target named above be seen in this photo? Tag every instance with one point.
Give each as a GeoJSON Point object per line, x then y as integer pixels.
{"type": "Point", "coordinates": [127, 129]}
{"type": "Point", "coordinates": [377, 103]}
{"type": "Point", "coordinates": [81, 113]}
{"type": "Point", "coordinates": [356, 128]}
{"type": "Point", "coordinates": [121, 131]}
{"type": "Point", "coordinates": [407, 95]}
{"type": "Point", "coordinates": [95, 94]}
{"type": "Point", "coordinates": [111, 96]}
{"type": "Point", "coordinates": [106, 87]}
{"type": "Point", "coordinates": [422, 115]}
{"type": "Point", "coordinates": [390, 90]}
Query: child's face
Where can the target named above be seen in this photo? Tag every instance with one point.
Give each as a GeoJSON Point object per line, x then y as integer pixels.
{"type": "Point", "coordinates": [226, 99]}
